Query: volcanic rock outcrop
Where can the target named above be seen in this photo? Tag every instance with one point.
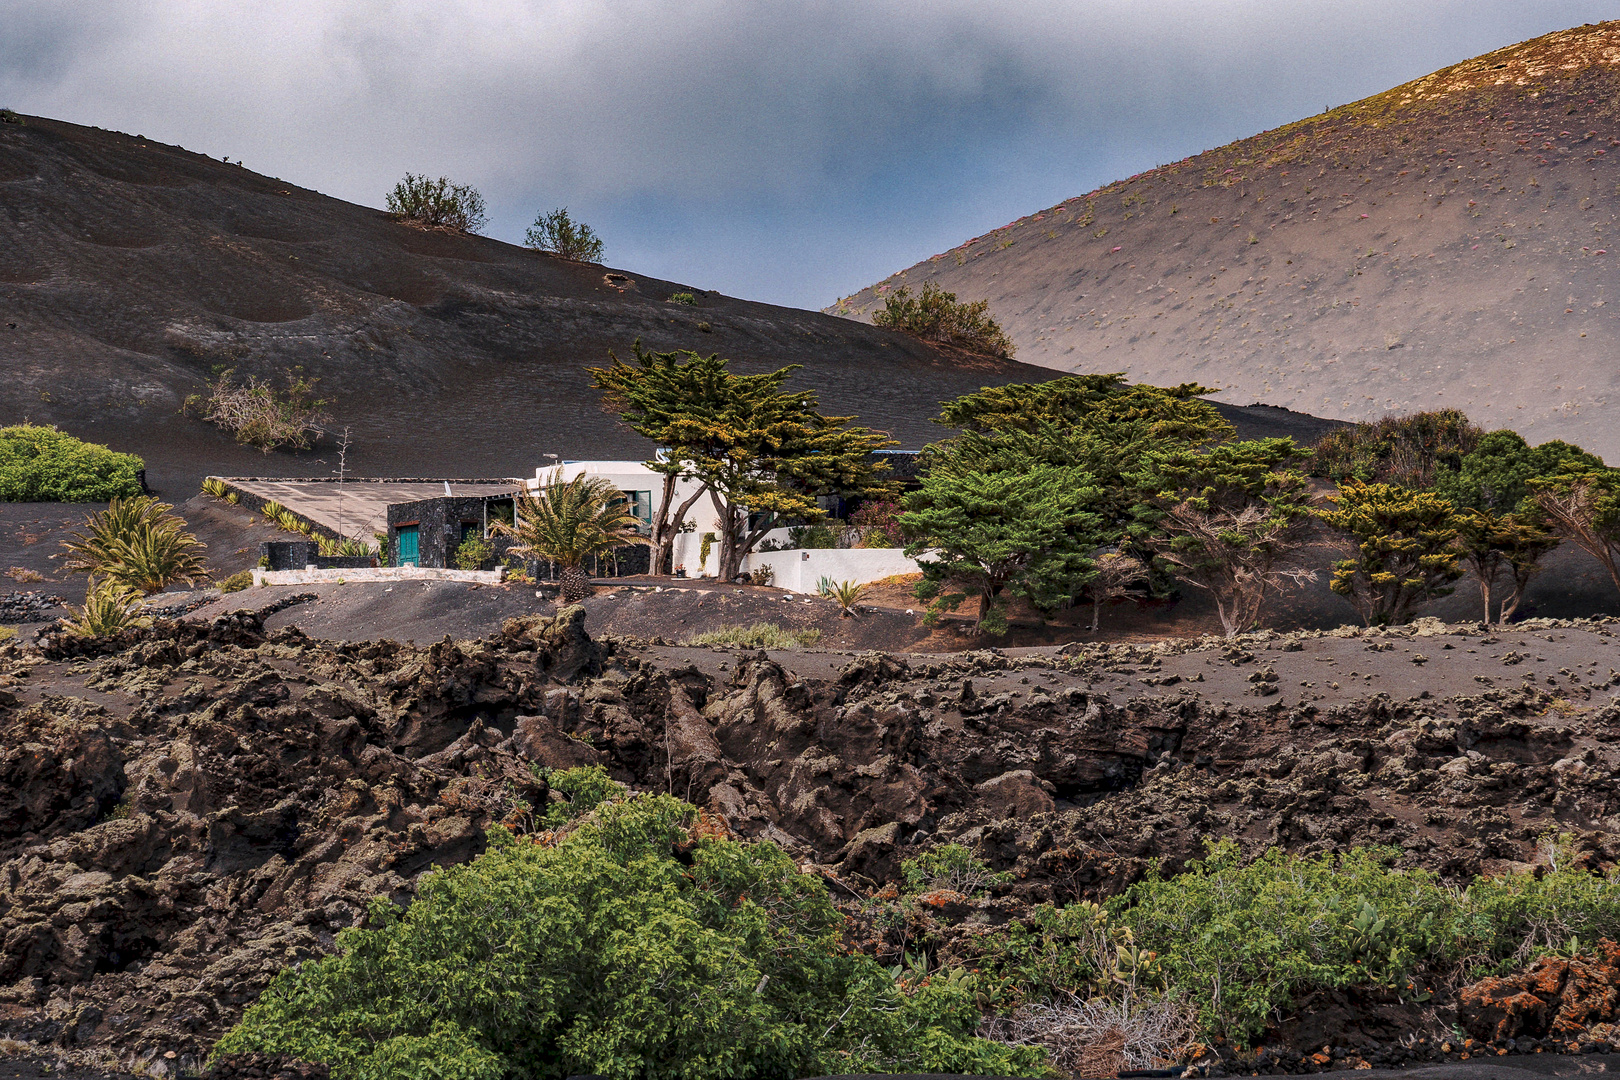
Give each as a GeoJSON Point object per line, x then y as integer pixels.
{"type": "Point", "coordinates": [192, 808]}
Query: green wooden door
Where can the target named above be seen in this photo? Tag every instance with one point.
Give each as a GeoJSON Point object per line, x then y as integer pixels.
{"type": "Point", "coordinates": [408, 549]}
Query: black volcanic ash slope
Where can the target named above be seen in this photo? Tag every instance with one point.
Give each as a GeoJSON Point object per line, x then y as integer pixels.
{"type": "Point", "coordinates": [129, 270]}
{"type": "Point", "coordinates": [1451, 242]}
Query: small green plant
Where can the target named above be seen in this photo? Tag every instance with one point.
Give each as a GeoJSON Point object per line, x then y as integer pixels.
{"type": "Point", "coordinates": [237, 581]}
{"type": "Point", "coordinates": [38, 463]}
{"type": "Point", "coordinates": [763, 575]}
{"type": "Point", "coordinates": [345, 547]}
{"type": "Point", "coordinates": [684, 298]}
{"type": "Point", "coordinates": [584, 789]}
{"type": "Point", "coordinates": [437, 204]}
{"type": "Point", "coordinates": [761, 635]}
{"type": "Point", "coordinates": [705, 545]}
{"type": "Point", "coordinates": [952, 867]}
{"type": "Point", "coordinates": [10, 116]}
{"type": "Point", "coordinates": [215, 488]}
{"type": "Point", "coordinates": [109, 608]}
{"type": "Point", "coordinates": [473, 553]}
{"type": "Point", "coordinates": [561, 235]}
{"type": "Point", "coordinates": [272, 510]}
{"type": "Point", "coordinates": [846, 594]}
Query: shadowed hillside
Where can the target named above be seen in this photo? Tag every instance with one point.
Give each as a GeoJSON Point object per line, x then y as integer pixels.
{"type": "Point", "coordinates": [1451, 242]}
{"type": "Point", "coordinates": [130, 270]}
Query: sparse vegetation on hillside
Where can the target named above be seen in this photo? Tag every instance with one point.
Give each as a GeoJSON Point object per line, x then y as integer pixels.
{"type": "Point", "coordinates": [10, 116]}
{"type": "Point", "coordinates": [260, 415]}
{"type": "Point", "coordinates": [936, 315]}
{"type": "Point", "coordinates": [561, 235]}
{"type": "Point", "coordinates": [437, 204]}
{"type": "Point", "coordinates": [41, 464]}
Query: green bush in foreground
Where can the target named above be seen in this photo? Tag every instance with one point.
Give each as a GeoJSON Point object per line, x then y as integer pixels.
{"type": "Point", "coordinates": [1246, 943]}
{"type": "Point", "coordinates": [631, 947]}
{"type": "Point", "coordinates": [41, 464]}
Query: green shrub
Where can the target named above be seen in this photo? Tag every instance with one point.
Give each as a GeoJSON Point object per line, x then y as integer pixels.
{"type": "Point", "coordinates": [936, 315]}
{"type": "Point", "coordinates": [761, 635]}
{"type": "Point", "coordinates": [812, 536]}
{"type": "Point", "coordinates": [215, 487]}
{"type": "Point", "coordinates": [953, 867]}
{"type": "Point", "coordinates": [683, 298]}
{"type": "Point", "coordinates": [237, 581]}
{"type": "Point", "coordinates": [473, 553]}
{"type": "Point", "coordinates": [560, 234]}
{"type": "Point", "coordinates": [437, 204]}
{"type": "Point", "coordinates": [41, 464]}
{"type": "Point", "coordinates": [1245, 943]}
{"type": "Point", "coordinates": [632, 945]}
{"type": "Point", "coordinates": [1405, 450]}
{"type": "Point", "coordinates": [585, 789]}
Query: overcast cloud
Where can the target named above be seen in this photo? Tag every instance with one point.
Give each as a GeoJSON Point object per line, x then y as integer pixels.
{"type": "Point", "coordinates": [789, 152]}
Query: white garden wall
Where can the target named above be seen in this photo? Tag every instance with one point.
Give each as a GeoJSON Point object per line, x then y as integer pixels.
{"type": "Point", "coordinates": [802, 568]}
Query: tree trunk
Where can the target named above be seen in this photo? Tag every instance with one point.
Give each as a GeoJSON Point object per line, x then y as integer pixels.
{"type": "Point", "coordinates": [576, 586]}
{"type": "Point", "coordinates": [1096, 610]}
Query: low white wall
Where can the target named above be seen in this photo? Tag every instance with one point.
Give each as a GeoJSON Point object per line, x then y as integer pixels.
{"type": "Point", "coordinates": [358, 575]}
{"type": "Point", "coordinates": [801, 569]}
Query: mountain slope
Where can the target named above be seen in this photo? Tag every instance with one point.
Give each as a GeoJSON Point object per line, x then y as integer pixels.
{"type": "Point", "coordinates": [130, 270]}
{"type": "Point", "coordinates": [1451, 242]}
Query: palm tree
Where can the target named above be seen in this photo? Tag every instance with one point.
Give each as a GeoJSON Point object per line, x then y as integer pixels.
{"type": "Point", "coordinates": [137, 543]}
{"type": "Point", "coordinates": [568, 521]}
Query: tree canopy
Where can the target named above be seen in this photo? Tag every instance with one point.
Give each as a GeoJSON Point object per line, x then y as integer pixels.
{"type": "Point", "coordinates": [763, 454]}
{"type": "Point", "coordinates": [1403, 549]}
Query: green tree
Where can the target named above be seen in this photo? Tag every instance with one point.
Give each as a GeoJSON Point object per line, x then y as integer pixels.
{"type": "Point", "coordinates": [936, 315]}
{"type": "Point", "coordinates": [763, 455]}
{"type": "Point", "coordinates": [1581, 504]}
{"type": "Point", "coordinates": [635, 947]}
{"type": "Point", "coordinates": [568, 521]}
{"type": "Point", "coordinates": [1229, 520]}
{"type": "Point", "coordinates": [437, 204]}
{"type": "Point", "coordinates": [41, 464]}
{"type": "Point", "coordinates": [1502, 529]}
{"type": "Point", "coordinates": [1102, 404]}
{"type": "Point", "coordinates": [649, 396]}
{"type": "Point", "coordinates": [137, 544]}
{"type": "Point", "coordinates": [985, 529]}
{"type": "Point", "coordinates": [560, 234]}
{"type": "Point", "coordinates": [1404, 549]}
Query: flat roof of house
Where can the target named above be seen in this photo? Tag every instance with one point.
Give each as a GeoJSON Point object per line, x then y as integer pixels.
{"type": "Point", "coordinates": [358, 507]}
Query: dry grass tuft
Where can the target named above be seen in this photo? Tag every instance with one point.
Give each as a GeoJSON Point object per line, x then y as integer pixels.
{"type": "Point", "coordinates": [1096, 1038]}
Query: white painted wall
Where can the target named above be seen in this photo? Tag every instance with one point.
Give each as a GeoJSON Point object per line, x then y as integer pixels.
{"type": "Point", "coordinates": [800, 570]}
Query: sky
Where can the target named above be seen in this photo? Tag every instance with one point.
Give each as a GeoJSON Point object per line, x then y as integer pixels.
{"type": "Point", "coordinates": [790, 152]}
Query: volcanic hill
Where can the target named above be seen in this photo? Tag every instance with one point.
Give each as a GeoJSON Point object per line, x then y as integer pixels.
{"type": "Point", "coordinates": [130, 270]}
{"type": "Point", "coordinates": [1451, 242]}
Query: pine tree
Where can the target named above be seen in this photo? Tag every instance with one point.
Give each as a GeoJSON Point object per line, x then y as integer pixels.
{"type": "Point", "coordinates": [1404, 550]}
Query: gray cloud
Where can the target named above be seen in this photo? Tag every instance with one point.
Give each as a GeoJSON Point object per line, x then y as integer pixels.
{"type": "Point", "coordinates": [786, 151]}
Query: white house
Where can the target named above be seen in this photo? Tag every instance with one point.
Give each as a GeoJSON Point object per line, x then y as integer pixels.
{"type": "Point", "coordinates": [797, 570]}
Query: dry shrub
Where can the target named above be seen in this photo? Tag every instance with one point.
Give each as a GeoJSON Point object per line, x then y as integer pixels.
{"type": "Point", "coordinates": [260, 415]}
{"type": "Point", "coordinates": [1096, 1038]}
{"type": "Point", "coordinates": [24, 575]}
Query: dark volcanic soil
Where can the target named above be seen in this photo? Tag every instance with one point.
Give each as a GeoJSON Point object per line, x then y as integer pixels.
{"type": "Point", "coordinates": [1451, 242]}
{"type": "Point", "coordinates": [131, 270]}
{"type": "Point", "coordinates": [181, 818]}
